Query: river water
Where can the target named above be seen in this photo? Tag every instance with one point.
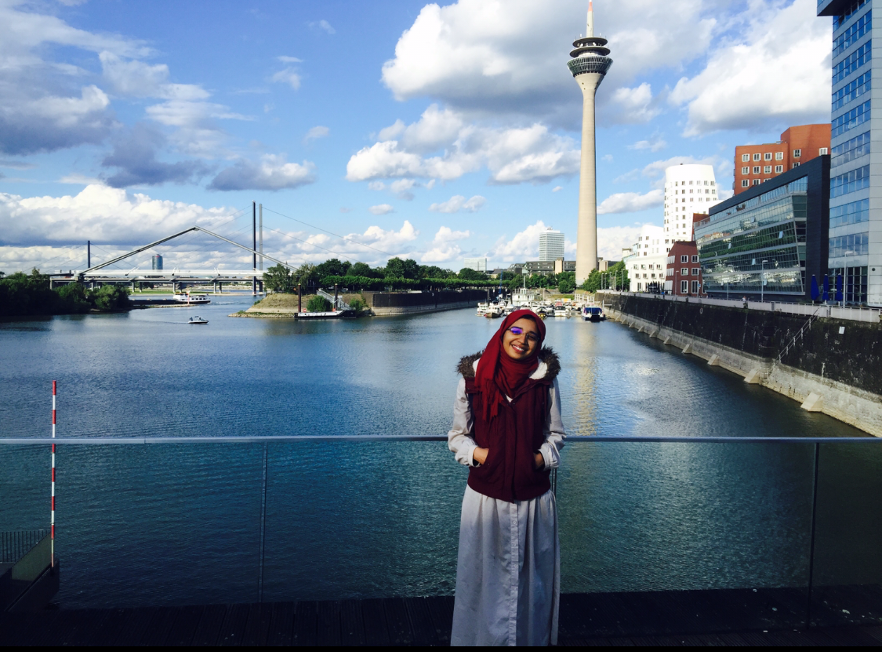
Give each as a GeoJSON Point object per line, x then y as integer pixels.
{"type": "Point", "coordinates": [181, 524]}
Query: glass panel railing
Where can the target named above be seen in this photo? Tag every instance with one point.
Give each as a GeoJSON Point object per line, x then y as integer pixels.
{"type": "Point", "coordinates": [655, 536]}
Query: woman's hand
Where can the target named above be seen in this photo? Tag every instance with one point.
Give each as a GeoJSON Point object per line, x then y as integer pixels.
{"type": "Point", "coordinates": [480, 455]}
{"type": "Point", "coordinates": [538, 461]}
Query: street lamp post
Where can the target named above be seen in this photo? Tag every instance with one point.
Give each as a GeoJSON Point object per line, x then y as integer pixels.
{"type": "Point", "coordinates": [763, 280]}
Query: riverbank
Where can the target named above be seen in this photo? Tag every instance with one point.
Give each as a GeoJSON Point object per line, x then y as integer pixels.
{"type": "Point", "coordinates": [828, 365]}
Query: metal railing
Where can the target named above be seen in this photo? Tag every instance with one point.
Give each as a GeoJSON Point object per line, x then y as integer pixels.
{"type": "Point", "coordinates": [15, 545]}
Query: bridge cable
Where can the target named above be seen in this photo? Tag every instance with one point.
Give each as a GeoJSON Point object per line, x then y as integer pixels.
{"type": "Point", "coordinates": [336, 235]}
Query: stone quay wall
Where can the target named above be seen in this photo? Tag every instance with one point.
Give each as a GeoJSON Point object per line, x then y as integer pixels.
{"type": "Point", "coordinates": [386, 304]}
{"type": "Point", "coordinates": [834, 367]}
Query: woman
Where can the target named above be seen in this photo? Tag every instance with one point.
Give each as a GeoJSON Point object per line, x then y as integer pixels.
{"type": "Point", "coordinates": [507, 430]}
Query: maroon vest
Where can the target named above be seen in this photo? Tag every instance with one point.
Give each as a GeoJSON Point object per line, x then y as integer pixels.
{"type": "Point", "coordinates": [513, 438]}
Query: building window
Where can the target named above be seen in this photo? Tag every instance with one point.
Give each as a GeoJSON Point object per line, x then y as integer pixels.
{"type": "Point", "coordinates": [639, 287]}
{"type": "Point", "coordinates": [796, 165]}
{"type": "Point", "coordinates": [768, 156]}
{"type": "Point", "coordinates": [684, 271]}
{"type": "Point", "coordinates": [779, 156]}
{"type": "Point", "coordinates": [745, 158]}
{"type": "Point", "coordinates": [695, 271]}
{"type": "Point", "coordinates": [756, 157]}
{"type": "Point", "coordinates": [695, 259]}
{"type": "Point", "coordinates": [694, 287]}
{"type": "Point", "coordinates": [756, 169]}
{"type": "Point", "coordinates": [745, 170]}
{"type": "Point", "coordinates": [767, 169]}
{"type": "Point", "coordinates": [822, 151]}
{"type": "Point", "coordinates": [756, 182]}
{"type": "Point", "coordinates": [684, 259]}
{"type": "Point", "coordinates": [797, 153]}
{"type": "Point", "coordinates": [850, 182]}
{"type": "Point", "coordinates": [779, 169]}
{"type": "Point", "coordinates": [745, 183]}
{"type": "Point", "coordinates": [684, 287]}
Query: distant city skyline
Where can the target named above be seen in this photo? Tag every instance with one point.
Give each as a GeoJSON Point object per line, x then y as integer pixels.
{"type": "Point", "coordinates": [123, 127]}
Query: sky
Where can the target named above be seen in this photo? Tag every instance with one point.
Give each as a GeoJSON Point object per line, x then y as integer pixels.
{"type": "Point", "coordinates": [371, 130]}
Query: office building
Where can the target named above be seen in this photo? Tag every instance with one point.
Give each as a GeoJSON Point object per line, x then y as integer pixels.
{"type": "Point", "coordinates": [756, 164]}
{"type": "Point", "coordinates": [477, 264]}
{"type": "Point", "coordinates": [768, 241]}
{"type": "Point", "coordinates": [689, 189]}
{"type": "Point", "coordinates": [855, 244]}
{"type": "Point", "coordinates": [589, 64]}
{"type": "Point", "coordinates": [551, 245]}
{"type": "Point", "coordinates": [156, 262]}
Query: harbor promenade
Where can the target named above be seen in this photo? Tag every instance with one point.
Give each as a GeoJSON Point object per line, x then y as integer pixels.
{"type": "Point", "coordinates": [712, 618]}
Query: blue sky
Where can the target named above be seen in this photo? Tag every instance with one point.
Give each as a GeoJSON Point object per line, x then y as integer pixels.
{"type": "Point", "coordinates": [431, 131]}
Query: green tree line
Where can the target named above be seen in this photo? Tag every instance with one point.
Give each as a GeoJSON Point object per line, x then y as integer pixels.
{"type": "Point", "coordinates": [23, 295]}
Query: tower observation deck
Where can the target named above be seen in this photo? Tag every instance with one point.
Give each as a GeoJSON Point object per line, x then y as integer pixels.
{"type": "Point", "coordinates": [589, 64]}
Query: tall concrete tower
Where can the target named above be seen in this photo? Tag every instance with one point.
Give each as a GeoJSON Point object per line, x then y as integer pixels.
{"type": "Point", "coordinates": [589, 65]}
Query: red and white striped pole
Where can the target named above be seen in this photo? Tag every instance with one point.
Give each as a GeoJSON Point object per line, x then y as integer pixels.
{"type": "Point", "coordinates": [52, 521]}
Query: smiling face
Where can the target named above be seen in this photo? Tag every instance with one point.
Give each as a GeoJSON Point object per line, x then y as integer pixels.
{"type": "Point", "coordinates": [523, 344]}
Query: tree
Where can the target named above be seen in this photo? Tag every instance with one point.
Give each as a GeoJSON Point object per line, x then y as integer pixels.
{"type": "Point", "coordinates": [278, 279]}
{"type": "Point", "coordinates": [434, 271]}
{"type": "Point", "coordinates": [406, 268]}
{"type": "Point", "coordinates": [592, 283]}
{"type": "Point", "coordinates": [566, 282]}
{"type": "Point", "coordinates": [333, 267]}
{"type": "Point", "coordinates": [306, 275]}
{"type": "Point", "coordinates": [618, 275]}
{"type": "Point", "coordinates": [110, 297]}
{"type": "Point", "coordinates": [469, 274]}
{"type": "Point", "coordinates": [362, 269]}
{"type": "Point", "coordinates": [318, 304]}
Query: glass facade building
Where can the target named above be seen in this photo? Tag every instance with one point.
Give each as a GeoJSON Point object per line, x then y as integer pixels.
{"type": "Point", "coordinates": [771, 239]}
{"type": "Point", "coordinates": [855, 237]}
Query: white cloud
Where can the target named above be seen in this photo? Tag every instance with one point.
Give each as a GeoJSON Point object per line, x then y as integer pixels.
{"type": "Point", "coordinates": [323, 25]}
{"type": "Point", "coordinates": [633, 105]}
{"type": "Point", "coordinates": [763, 81]}
{"type": "Point", "coordinates": [288, 76]}
{"type": "Point", "coordinates": [272, 173]}
{"type": "Point", "coordinates": [612, 239]}
{"type": "Point", "coordinates": [444, 246]}
{"type": "Point", "coordinates": [631, 202]}
{"type": "Point", "coordinates": [506, 57]}
{"type": "Point", "coordinates": [382, 209]}
{"type": "Point", "coordinates": [654, 144]}
{"type": "Point", "coordinates": [514, 155]}
{"type": "Point", "coordinates": [285, 59]}
{"type": "Point", "coordinates": [138, 79]}
{"type": "Point", "coordinates": [315, 133]}
{"type": "Point", "coordinates": [557, 189]}
{"type": "Point", "coordinates": [522, 247]}
{"type": "Point", "coordinates": [458, 203]}
{"type": "Point", "coordinates": [402, 188]}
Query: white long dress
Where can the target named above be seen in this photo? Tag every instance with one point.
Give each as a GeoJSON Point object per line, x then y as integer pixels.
{"type": "Point", "coordinates": [508, 566]}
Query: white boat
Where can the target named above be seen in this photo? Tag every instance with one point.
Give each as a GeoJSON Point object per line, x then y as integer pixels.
{"type": "Point", "coordinates": [561, 311]}
{"type": "Point", "coordinates": [197, 320]}
{"type": "Point", "coordinates": [593, 313]}
{"type": "Point", "coordinates": [186, 297]}
{"type": "Point", "coordinates": [482, 308]}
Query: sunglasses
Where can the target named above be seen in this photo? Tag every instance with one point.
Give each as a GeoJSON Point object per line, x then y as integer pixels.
{"type": "Point", "coordinates": [517, 330]}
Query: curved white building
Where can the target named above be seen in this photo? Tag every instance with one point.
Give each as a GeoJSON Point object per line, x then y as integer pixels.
{"type": "Point", "coordinates": [689, 189]}
{"type": "Point", "coordinates": [648, 261]}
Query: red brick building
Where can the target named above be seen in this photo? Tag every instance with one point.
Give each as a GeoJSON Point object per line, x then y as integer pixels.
{"type": "Point", "coordinates": [755, 164]}
{"type": "Point", "coordinates": [684, 271]}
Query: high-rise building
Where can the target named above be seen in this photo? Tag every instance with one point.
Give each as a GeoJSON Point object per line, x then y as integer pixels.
{"type": "Point", "coordinates": [755, 164]}
{"type": "Point", "coordinates": [551, 245]}
{"type": "Point", "coordinates": [477, 264]}
{"type": "Point", "coordinates": [689, 189]}
{"type": "Point", "coordinates": [589, 64]}
{"type": "Point", "coordinates": [156, 261]}
{"type": "Point", "coordinates": [855, 243]}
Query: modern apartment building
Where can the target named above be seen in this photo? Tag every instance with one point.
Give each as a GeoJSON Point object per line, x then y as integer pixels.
{"type": "Point", "coordinates": [551, 245]}
{"type": "Point", "coordinates": [756, 164]}
{"type": "Point", "coordinates": [855, 237]}
{"type": "Point", "coordinates": [688, 189]}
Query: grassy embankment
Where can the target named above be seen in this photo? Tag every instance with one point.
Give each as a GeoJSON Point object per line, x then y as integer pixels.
{"type": "Point", "coordinates": [281, 306]}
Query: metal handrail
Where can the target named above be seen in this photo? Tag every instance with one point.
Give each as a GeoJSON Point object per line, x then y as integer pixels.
{"type": "Point", "coordinates": [103, 441]}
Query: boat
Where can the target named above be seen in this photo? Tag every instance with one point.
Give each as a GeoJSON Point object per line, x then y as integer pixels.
{"type": "Point", "coordinates": [482, 308]}
{"type": "Point", "coordinates": [186, 297]}
{"type": "Point", "coordinates": [197, 320]}
{"type": "Point", "coordinates": [334, 314]}
{"type": "Point", "coordinates": [493, 311]}
{"type": "Point", "coordinates": [593, 313]}
{"type": "Point", "coordinates": [560, 311]}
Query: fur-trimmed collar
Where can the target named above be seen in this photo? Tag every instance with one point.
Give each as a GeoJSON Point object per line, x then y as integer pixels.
{"type": "Point", "coordinates": [549, 365]}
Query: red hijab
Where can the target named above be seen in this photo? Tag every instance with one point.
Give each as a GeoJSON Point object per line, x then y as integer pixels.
{"type": "Point", "coordinates": [498, 374]}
